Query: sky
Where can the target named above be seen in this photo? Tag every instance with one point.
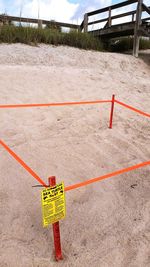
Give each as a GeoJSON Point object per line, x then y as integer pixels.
{"type": "Point", "coordinates": [59, 10]}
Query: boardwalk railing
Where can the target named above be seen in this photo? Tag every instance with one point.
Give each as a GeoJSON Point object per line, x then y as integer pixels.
{"type": "Point", "coordinates": [134, 27]}
{"type": "Point", "coordinates": [84, 25]}
{"type": "Point", "coordinates": [5, 19]}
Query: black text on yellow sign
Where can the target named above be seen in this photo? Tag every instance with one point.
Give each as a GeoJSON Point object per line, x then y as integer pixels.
{"type": "Point", "coordinates": [53, 204]}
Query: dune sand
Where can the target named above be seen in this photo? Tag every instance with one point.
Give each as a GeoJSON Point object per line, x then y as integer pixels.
{"type": "Point", "coordinates": [107, 223]}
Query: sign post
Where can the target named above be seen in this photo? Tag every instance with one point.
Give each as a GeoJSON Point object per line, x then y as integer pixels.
{"type": "Point", "coordinates": [112, 111]}
{"type": "Point", "coordinates": [56, 230]}
{"type": "Point", "coordinates": [53, 210]}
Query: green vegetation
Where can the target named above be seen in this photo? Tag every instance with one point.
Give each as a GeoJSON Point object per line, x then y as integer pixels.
{"type": "Point", "coordinates": [30, 35]}
{"type": "Point", "coordinates": [53, 35]}
{"type": "Point", "coordinates": [126, 44]}
{"type": "Point", "coordinates": [53, 26]}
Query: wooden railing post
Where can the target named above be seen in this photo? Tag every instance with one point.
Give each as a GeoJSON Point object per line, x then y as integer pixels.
{"type": "Point", "coordinates": [40, 23]}
{"type": "Point", "coordinates": [85, 26]}
{"type": "Point", "coordinates": [109, 19]}
{"type": "Point", "coordinates": [132, 17]}
{"type": "Point", "coordinates": [138, 22]}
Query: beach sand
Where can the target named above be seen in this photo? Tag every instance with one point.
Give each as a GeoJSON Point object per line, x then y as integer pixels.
{"type": "Point", "coordinates": [107, 223]}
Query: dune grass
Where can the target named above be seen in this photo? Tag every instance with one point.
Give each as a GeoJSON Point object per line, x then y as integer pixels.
{"type": "Point", "coordinates": [33, 36]}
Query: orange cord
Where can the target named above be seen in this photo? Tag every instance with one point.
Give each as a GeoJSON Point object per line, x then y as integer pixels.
{"type": "Point", "coordinates": [88, 181]}
{"type": "Point", "coordinates": [132, 108]}
{"type": "Point", "coordinates": [23, 164]}
{"type": "Point", "coordinates": [55, 104]}
{"type": "Point", "coordinates": [71, 187]}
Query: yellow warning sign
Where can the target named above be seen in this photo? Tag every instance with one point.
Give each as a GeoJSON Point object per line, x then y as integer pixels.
{"type": "Point", "coordinates": [53, 204]}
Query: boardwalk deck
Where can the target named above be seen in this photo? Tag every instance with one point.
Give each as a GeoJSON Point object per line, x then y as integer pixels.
{"type": "Point", "coordinates": [119, 30]}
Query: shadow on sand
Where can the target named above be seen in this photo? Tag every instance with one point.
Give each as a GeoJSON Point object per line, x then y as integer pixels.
{"type": "Point", "coordinates": [145, 56]}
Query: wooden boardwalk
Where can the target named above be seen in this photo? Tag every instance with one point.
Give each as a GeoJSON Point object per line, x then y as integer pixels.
{"type": "Point", "coordinates": [5, 19]}
{"type": "Point", "coordinates": [137, 26]}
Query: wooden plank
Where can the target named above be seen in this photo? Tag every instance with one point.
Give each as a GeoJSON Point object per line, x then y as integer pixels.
{"type": "Point", "coordinates": [115, 28]}
{"type": "Point", "coordinates": [146, 8]}
{"type": "Point", "coordinates": [146, 19]}
{"type": "Point", "coordinates": [115, 33]}
{"type": "Point", "coordinates": [105, 9]}
{"type": "Point", "coordinates": [113, 17]}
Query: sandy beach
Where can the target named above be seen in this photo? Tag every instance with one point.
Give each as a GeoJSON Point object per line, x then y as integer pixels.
{"type": "Point", "coordinates": [108, 222]}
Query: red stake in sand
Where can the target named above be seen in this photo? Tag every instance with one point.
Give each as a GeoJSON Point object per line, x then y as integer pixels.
{"type": "Point", "coordinates": [56, 231]}
{"type": "Point", "coordinates": [112, 111]}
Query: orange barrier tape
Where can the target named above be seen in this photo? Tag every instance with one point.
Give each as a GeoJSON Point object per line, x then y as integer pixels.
{"type": "Point", "coordinates": [71, 187]}
{"type": "Point", "coordinates": [132, 108]}
{"type": "Point", "coordinates": [21, 162]}
{"type": "Point", "coordinates": [55, 104]}
{"type": "Point", "coordinates": [109, 175]}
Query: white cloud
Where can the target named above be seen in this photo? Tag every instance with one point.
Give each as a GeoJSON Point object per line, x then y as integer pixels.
{"type": "Point", "coordinates": [1, 6]}
{"type": "Point", "coordinates": [59, 10]}
{"type": "Point", "coordinates": [146, 2]}
{"type": "Point", "coordinates": [88, 5]}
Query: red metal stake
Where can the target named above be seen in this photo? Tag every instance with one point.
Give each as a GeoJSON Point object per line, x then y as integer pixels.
{"type": "Point", "coordinates": [112, 111]}
{"type": "Point", "coordinates": [56, 231]}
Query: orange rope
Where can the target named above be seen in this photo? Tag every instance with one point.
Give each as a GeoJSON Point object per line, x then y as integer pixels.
{"type": "Point", "coordinates": [23, 164]}
{"type": "Point", "coordinates": [71, 187]}
{"type": "Point", "coordinates": [55, 104]}
{"type": "Point", "coordinates": [74, 103]}
{"type": "Point", "coordinates": [132, 108]}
